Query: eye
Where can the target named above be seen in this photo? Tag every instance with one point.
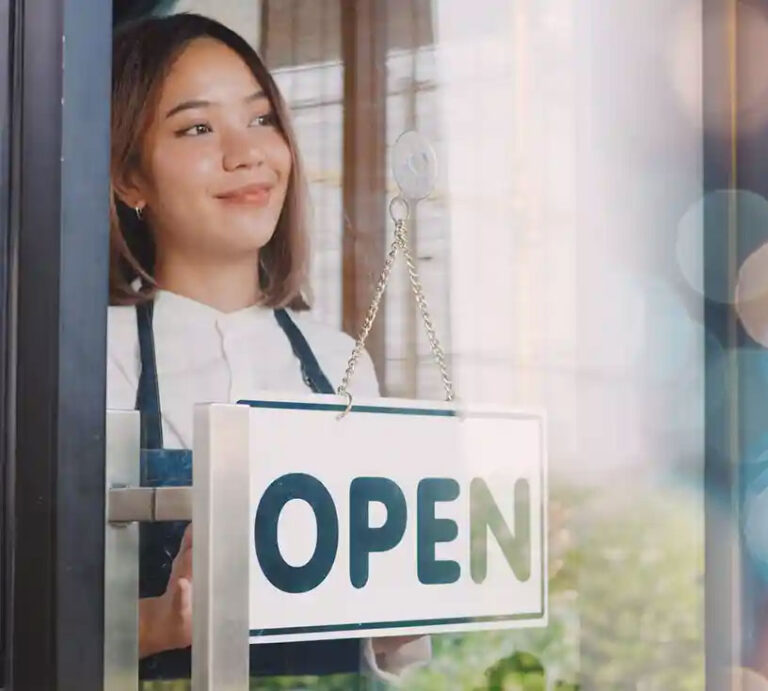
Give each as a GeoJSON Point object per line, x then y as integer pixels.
{"type": "Point", "coordinates": [195, 131]}
{"type": "Point", "coordinates": [264, 120]}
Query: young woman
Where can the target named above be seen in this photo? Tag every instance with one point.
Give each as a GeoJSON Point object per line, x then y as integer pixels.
{"type": "Point", "coordinates": [207, 286]}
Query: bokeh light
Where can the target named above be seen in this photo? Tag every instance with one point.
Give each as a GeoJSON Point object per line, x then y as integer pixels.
{"type": "Point", "coordinates": [708, 231]}
{"type": "Point", "coordinates": [752, 295]}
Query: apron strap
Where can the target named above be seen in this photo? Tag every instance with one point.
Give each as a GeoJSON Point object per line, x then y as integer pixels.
{"type": "Point", "coordinates": [310, 369]}
{"type": "Point", "coordinates": [148, 393]}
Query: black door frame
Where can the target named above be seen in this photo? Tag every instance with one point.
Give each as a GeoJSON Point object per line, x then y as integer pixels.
{"type": "Point", "coordinates": [59, 209]}
{"type": "Point", "coordinates": [6, 22]}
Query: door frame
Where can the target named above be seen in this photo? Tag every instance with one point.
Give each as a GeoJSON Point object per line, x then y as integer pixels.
{"type": "Point", "coordinates": [57, 293]}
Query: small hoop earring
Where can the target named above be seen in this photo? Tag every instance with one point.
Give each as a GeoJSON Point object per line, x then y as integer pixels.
{"type": "Point", "coordinates": [139, 212]}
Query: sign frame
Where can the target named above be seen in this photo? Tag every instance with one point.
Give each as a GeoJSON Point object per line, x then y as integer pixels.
{"type": "Point", "coordinates": [407, 407]}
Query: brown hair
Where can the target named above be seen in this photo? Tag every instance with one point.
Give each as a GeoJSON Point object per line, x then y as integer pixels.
{"type": "Point", "coordinates": [143, 53]}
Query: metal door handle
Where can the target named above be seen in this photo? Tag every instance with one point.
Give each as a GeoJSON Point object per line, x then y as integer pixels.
{"type": "Point", "coordinates": [149, 504]}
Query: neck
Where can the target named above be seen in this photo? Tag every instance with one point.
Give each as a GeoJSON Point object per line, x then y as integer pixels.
{"type": "Point", "coordinates": [227, 287]}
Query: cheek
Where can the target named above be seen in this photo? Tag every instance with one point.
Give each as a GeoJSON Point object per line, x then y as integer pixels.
{"type": "Point", "coordinates": [280, 156]}
{"type": "Point", "coordinates": [178, 170]}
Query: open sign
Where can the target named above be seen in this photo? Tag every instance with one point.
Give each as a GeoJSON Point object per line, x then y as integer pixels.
{"type": "Point", "coordinates": [403, 517]}
{"type": "Point", "coordinates": [485, 519]}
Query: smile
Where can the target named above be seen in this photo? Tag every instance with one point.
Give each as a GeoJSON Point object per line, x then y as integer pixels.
{"type": "Point", "coordinates": [250, 195]}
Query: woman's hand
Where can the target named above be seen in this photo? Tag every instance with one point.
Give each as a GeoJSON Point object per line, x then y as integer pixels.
{"type": "Point", "coordinates": [394, 654]}
{"type": "Point", "coordinates": [392, 642]}
{"type": "Point", "coordinates": [165, 622]}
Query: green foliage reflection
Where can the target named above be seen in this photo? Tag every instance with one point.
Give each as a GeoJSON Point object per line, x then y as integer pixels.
{"type": "Point", "coordinates": [626, 608]}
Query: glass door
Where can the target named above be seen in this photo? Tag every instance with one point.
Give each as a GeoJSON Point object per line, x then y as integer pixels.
{"type": "Point", "coordinates": [592, 248]}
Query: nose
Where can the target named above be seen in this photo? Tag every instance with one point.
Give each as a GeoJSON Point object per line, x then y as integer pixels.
{"type": "Point", "coordinates": [242, 150]}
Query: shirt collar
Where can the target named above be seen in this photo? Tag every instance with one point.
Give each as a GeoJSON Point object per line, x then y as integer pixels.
{"type": "Point", "coordinates": [180, 310]}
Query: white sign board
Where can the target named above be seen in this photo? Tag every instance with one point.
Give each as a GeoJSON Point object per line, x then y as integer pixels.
{"type": "Point", "coordinates": [403, 517]}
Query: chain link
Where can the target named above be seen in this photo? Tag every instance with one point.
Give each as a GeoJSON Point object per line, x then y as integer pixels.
{"type": "Point", "coordinates": [399, 244]}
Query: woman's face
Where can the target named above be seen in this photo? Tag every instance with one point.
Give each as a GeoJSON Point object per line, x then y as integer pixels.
{"type": "Point", "coordinates": [214, 168]}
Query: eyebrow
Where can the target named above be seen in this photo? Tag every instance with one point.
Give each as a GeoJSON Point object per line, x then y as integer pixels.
{"type": "Point", "coordinates": [189, 105]}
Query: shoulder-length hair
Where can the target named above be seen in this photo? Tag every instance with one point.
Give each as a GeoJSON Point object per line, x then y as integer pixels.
{"type": "Point", "coordinates": [143, 54]}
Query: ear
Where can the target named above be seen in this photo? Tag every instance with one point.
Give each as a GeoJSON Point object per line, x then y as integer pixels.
{"type": "Point", "coordinates": [130, 189]}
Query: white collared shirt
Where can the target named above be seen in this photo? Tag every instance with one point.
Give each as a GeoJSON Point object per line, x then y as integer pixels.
{"type": "Point", "coordinates": [207, 356]}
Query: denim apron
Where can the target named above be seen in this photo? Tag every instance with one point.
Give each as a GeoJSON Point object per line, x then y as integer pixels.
{"type": "Point", "coordinates": [159, 542]}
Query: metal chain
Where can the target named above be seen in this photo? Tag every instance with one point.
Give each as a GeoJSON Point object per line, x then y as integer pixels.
{"type": "Point", "coordinates": [434, 342]}
{"type": "Point", "coordinates": [400, 243]}
{"type": "Point", "coordinates": [369, 317]}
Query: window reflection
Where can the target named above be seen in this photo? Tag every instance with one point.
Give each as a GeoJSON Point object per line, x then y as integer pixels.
{"type": "Point", "coordinates": [562, 257]}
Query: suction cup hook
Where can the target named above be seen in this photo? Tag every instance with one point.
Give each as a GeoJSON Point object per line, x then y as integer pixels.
{"type": "Point", "coordinates": [414, 165]}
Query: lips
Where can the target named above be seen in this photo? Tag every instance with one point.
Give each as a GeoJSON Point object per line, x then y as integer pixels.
{"type": "Point", "coordinates": [251, 195]}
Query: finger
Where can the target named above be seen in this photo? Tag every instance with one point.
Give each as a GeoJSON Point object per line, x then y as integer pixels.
{"type": "Point", "coordinates": [182, 597]}
{"type": "Point", "coordinates": [186, 539]}
{"type": "Point", "coordinates": [190, 591]}
{"type": "Point", "coordinates": [182, 565]}
{"type": "Point", "coordinates": [402, 640]}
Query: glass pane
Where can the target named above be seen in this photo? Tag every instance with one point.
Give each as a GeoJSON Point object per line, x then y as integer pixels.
{"type": "Point", "coordinates": [571, 263]}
